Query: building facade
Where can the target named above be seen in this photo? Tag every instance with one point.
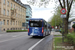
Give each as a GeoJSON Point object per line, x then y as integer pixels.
{"type": "Point", "coordinates": [28, 14]}
{"type": "Point", "coordinates": [70, 24]}
{"type": "Point", "coordinates": [12, 15]}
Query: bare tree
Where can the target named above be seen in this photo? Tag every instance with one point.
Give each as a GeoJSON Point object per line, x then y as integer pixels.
{"type": "Point", "coordinates": [67, 4]}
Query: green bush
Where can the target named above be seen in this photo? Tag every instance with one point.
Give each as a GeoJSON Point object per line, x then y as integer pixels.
{"type": "Point", "coordinates": [73, 25]}
{"type": "Point", "coordinates": [16, 30]}
{"type": "Point", "coordinates": [70, 38]}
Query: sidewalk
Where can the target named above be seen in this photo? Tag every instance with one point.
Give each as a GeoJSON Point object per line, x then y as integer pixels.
{"type": "Point", "coordinates": [55, 33]}
{"type": "Point", "coordinates": [2, 32]}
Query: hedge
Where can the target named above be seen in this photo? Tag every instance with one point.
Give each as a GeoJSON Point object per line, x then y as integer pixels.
{"type": "Point", "coordinates": [16, 30]}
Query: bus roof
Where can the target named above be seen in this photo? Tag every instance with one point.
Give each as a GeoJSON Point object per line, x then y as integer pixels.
{"type": "Point", "coordinates": [36, 19]}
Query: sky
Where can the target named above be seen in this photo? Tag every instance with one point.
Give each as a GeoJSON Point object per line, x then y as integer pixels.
{"type": "Point", "coordinates": [42, 12]}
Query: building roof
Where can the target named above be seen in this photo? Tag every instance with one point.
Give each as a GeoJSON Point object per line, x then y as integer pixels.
{"type": "Point", "coordinates": [19, 2]}
{"type": "Point", "coordinates": [36, 19]}
{"type": "Point", "coordinates": [24, 5]}
{"type": "Point", "coordinates": [27, 5]}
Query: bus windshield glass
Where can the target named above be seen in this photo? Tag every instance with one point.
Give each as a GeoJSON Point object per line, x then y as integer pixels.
{"type": "Point", "coordinates": [35, 23]}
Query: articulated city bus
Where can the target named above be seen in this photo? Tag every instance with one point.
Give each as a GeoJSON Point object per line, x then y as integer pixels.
{"type": "Point", "coordinates": [38, 27]}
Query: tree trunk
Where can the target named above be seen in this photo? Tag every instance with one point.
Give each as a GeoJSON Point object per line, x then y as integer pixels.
{"type": "Point", "coordinates": [66, 26]}
{"type": "Point", "coordinates": [74, 29]}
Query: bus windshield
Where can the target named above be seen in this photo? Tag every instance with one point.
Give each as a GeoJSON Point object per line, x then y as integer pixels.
{"type": "Point", "coordinates": [35, 23]}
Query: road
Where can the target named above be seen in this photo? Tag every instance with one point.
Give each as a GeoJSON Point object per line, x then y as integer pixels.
{"type": "Point", "coordinates": [21, 41]}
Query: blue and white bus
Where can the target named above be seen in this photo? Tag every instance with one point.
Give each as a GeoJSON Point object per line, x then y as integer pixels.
{"type": "Point", "coordinates": [38, 27]}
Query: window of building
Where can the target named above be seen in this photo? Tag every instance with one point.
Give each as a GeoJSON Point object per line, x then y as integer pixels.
{"type": "Point", "coordinates": [4, 12]}
{"type": "Point", "coordinates": [8, 13]}
{"type": "Point", "coordinates": [27, 20]}
{"type": "Point", "coordinates": [16, 28]}
{"type": "Point", "coordinates": [4, 2]}
{"type": "Point", "coordinates": [16, 15]}
{"type": "Point", "coordinates": [11, 4]}
{"type": "Point", "coordinates": [3, 29]}
{"type": "Point", "coordinates": [16, 22]}
{"type": "Point", "coordinates": [7, 22]}
{"type": "Point", "coordinates": [19, 15]}
{"type": "Point", "coordinates": [7, 28]}
{"type": "Point", "coordinates": [7, 3]}
{"type": "Point", "coordinates": [11, 28]}
{"type": "Point", "coordinates": [18, 8]}
{"type": "Point", "coordinates": [11, 22]}
{"type": "Point", "coordinates": [27, 16]}
{"type": "Point", "coordinates": [14, 5]}
{"type": "Point", "coordinates": [3, 22]}
{"type": "Point", "coordinates": [23, 10]}
{"type": "Point", "coordinates": [22, 16]}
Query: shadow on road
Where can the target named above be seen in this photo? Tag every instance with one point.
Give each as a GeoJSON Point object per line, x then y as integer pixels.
{"type": "Point", "coordinates": [36, 37]}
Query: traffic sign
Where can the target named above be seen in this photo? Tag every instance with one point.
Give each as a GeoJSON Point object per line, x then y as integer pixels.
{"type": "Point", "coordinates": [63, 16]}
{"type": "Point", "coordinates": [63, 11]}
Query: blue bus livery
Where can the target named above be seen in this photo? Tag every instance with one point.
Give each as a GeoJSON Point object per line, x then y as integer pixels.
{"type": "Point", "coordinates": [38, 27]}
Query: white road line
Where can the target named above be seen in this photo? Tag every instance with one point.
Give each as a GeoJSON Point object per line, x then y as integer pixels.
{"type": "Point", "coordinates": [35, 44]}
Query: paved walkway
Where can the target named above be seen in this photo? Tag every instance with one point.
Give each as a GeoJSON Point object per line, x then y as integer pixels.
{"type": "Point", "coordinates": [56, 33]}
{"type": "Point", "coordinates": [2, 32]}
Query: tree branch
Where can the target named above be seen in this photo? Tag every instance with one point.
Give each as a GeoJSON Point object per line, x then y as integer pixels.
{"type": "Point", "coordinates": [67, 4]}
{"type": "Point", "coordinates": [71, 4]}
{"type": "Point", "coordinates": [64, 3]}
{"type": "Point", "coordinates": [60, 3]}
{"type": "Point", "coordinates": [69, 8]}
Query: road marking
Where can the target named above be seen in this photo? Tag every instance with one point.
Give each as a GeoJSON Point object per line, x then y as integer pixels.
{"type": "Point", "coordinates": [35, 44]}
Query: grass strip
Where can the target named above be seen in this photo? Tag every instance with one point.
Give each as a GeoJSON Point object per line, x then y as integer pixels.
{"type": "Point", "coordinates": [57, 42]}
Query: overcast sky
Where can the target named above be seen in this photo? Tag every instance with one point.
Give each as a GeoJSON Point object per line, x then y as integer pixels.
{"type": "Point", "coordinates": [42, 12]}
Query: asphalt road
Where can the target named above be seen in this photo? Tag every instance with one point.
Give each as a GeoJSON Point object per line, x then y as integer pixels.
{"type": "Point", "coordinates": [21, 41]}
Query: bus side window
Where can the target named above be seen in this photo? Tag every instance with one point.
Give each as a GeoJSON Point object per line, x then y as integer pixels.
{"type": "Point", "coordinates": [45, 25]}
